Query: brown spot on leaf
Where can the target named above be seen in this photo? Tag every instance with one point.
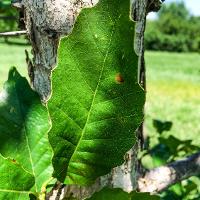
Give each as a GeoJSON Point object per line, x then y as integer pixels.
{"type": "Point", "coordinates": [119, 78]}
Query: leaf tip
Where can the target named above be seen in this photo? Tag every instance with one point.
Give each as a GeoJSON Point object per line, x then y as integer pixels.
{"type": "Point", "coordinates": [13, 73]}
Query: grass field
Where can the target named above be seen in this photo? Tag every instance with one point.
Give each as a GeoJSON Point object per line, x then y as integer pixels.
{"type": "Point", "coordinates": [12, 55]}
{"type": "Point", "coordinates": [173, 88]}
{"type": "Point", "coordinates": [173, 93]}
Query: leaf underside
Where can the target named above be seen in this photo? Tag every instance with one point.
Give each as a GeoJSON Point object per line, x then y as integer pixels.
{"type": "Point", "coordinates": [25, 153]}
{"type": "Point", "coordinates": [96, 104]}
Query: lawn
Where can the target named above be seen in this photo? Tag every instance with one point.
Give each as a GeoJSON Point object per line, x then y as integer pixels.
{"type": "Point", "coordinates": [12, 55]}
{"type": "Point", "coordinates": [173, 88]}
{"type": "Point", "coordinates": [173, 93]}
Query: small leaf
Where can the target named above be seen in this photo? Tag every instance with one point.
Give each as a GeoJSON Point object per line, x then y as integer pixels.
{"type": "Point", "coordinates": [24, 124]}
{"type": "Point", "coordinates": [162, 126]}
{"type": "Point", "coordinates": [96, 104]}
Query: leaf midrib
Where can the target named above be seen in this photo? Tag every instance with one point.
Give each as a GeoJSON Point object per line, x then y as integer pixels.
{"type": "Point", "coordinates": [27, 140]}
{"type": "Point", "coordinates": [14, 191]}
{"type": "Point", "coordinates": [94, 96]}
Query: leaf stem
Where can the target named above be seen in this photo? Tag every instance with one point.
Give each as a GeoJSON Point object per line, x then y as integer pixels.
{"type": "Point", "coordinates": [44, 188]}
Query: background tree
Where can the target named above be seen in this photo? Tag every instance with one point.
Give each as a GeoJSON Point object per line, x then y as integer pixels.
{"type": "Point", "coordinates": [8, 17]}
{"type": "Point", "coordinates": [175, 29]}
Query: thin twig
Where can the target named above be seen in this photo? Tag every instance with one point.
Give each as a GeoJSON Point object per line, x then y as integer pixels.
{"type": "Point", "coordinates": [13, 33]}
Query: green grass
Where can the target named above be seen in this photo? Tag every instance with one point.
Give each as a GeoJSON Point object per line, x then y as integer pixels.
{"type": "Point", "coordinates": [12, 55]}
{"type": "Point", "coordinates": [173, 93]}
{"type": "Point", "coordinates": [173, 88]}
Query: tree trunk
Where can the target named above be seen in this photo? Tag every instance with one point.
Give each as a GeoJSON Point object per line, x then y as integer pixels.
{"type": "Point", "coordinates": [46, 21]}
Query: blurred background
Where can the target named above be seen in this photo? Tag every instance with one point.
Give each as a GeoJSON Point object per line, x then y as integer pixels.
{"type": "Point", "coordinates": [172, 128]}
{"type": "Point", "coordinates": [12, 49]}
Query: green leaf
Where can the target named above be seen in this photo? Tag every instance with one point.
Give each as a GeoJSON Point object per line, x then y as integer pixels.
{"type": "Point", "coordinates": [96, 104]}
{"type": "Point", "coordinates": [119, 194]}
{"type": "Point", "coordinates": [24, 124]}
{"type": "Point", "coordinates": [161, 126]}
{"type": "Point", "coordinates": [15, 182]}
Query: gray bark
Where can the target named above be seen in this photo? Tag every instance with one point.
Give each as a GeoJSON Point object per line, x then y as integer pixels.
{"type": "Point", "coordinates": [160, 178]}
{"type": "Point", "coordinates": [46, 21]}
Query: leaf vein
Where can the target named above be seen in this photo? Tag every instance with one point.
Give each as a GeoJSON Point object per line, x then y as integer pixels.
{"type": "Point", "coordinates": [112, 118]}
{"type": "Point", "coordinates": [89, 113]}
{"type": "Point", "coordinates": [27, 140]}
{"type": "Point", "coordinates": [116, 98]}
{"type": "Point", "coordinates": [69, 117]}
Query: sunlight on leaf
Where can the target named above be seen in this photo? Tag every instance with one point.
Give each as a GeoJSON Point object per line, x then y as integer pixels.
{"type": "Point", "coordinates": [96, 103]}
{"type": "Point", "coordinates": [24, 147]}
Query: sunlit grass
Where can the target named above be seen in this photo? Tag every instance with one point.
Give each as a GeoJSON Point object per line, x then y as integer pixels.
{"type": "Point", "coordinates": [173, 93]}
{"type": "Point", "coordinates": [12, 55]}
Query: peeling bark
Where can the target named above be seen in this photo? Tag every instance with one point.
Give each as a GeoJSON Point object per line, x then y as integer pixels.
{"type": "Point", "coordinates": [46, 21]}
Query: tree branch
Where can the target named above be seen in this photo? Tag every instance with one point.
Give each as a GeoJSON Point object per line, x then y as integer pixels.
{"type": "Point", "coordinates": [13, 33]}
{"type": "Point", "coordinates": [160, 178]}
